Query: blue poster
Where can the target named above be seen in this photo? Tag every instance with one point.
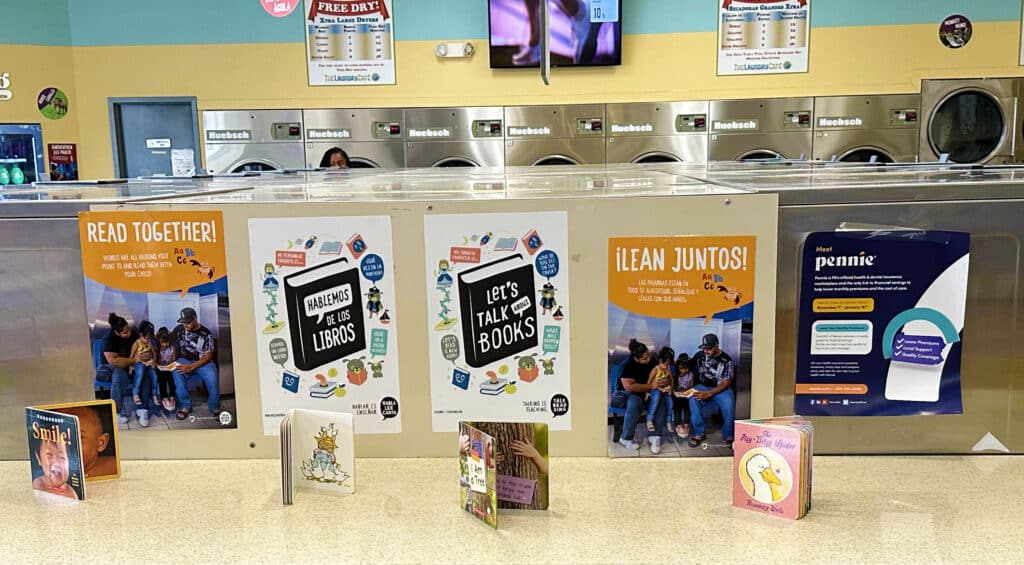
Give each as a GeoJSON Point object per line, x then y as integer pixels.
{"type": "Point", "coordinates": [881, 323]}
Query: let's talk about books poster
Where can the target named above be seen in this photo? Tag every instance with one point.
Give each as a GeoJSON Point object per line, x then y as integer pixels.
{"type": "Point", "coordinates": [497, 291]}
{"type": "Point", "coordinates": [326, 322]}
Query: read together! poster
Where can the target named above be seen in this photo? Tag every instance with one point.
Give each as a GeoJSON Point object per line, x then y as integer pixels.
{"type": "Point", "coordinates": [498, 318]}
{"type": "Point", "coordinates": [156, 297]}
{"type": "Point", "coordinates": [680, 317]}
{"type": "Point", "coordinates": [326, 323]}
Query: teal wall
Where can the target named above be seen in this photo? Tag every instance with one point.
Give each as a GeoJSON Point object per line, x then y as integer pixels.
{"type": "Point", "coordinates": [140, 22]}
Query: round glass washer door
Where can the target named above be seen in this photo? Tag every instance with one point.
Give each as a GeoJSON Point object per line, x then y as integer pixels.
{"type": "Point", "coordinates": [967, 126]}
{"type": "Point", "coordinates": [254, 166]}
{"type": "Point", "coordinates": [865, 154]}
{"type": "Point", "coordinates": [455, 162]}
{"type": "Point", "coordinates": [759, 155]}
{"type": "Point", "coordinates": [555, 160]}
{"type": "Point", "coordinates": [657, 158]}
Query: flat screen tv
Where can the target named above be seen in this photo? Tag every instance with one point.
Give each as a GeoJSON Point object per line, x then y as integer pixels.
{"type": "Point", "coordinates": [584, 33]}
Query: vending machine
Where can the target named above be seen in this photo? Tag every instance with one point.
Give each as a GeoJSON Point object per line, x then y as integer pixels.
{"type": "Point", "coordinates": [21, 154]}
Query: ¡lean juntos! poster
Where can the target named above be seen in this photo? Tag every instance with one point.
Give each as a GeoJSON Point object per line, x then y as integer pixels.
{"type": "Point", "coordinates": [498, 318]}
{"type": "Point", "coordinates": [326, 324]}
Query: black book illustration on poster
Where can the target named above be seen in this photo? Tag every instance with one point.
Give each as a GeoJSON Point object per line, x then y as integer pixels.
{"type": "Point", "coordinates": [499, 312]}
{"type": "Point", "coordinates": [324, 313]}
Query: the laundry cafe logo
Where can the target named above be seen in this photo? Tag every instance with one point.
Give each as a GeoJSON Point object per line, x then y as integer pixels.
{"type": "Point", "coordinates": [5, 87]}
{"type": "Point", "coordinates": [859, 260]}
{"type": "Point", "coordinates": [228, 135]}
{"type": "Point", "coordinates": [840, 122]}
{"type": "Point", "coordinates": [520, 131]}
{"type": "Point", "coordinates": [328, 133]}
{"type": "Point", "coordinates": [734, 125]}
{"type": "Point", "coordinates": [632, 128]}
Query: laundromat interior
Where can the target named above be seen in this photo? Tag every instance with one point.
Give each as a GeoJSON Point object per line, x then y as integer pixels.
{"type": "Point", "coordinates": [891, 129]}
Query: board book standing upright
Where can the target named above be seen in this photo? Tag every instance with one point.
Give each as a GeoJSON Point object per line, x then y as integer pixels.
{"type": "Point", "coordinates": [55, 453]}
{"type": "Point", "coordinates": [772, 466]}
{"type": "Point", "coordinates": [317, 452]}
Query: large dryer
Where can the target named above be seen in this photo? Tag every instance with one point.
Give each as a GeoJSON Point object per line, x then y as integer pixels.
{"type": "Point", "coordinates": [862, 129]}
{"type": "Point", "coordinates": [372, 138]}
{"type": "Point", "coordinates": [761, 129]}
{"type": "Point", "coordinates": [454, 137]}
{"type": "Point", "coordinates": [657, 132]}
{"type": "Point", "coordinates": [253, 140]}
{"type": "Point", "coordinates": [971, 120]}
{"type": "Point", "coordinates": [555, 135]}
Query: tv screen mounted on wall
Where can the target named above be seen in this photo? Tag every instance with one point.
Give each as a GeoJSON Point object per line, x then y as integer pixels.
{"type": "Point", "coordinates": [584, 33]}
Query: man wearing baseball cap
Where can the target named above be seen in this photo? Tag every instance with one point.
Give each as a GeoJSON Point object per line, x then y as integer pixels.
{"type": "Point", "coordinates": [195, 355]}
{"type": "Point", "coordinates": [713, 372]}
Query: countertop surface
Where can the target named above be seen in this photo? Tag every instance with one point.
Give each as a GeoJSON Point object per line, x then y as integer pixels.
{"type": "Point", "coordinates": [866, 510]}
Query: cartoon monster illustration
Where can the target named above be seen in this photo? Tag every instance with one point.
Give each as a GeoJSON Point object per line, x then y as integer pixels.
{"type": "Point", "coordinates": [549, 365]}
{"type": "Point", "coordinates": [547, 298]}
{"type": "Point", "coordinates": [377, 368]}
{"type": "Point", "coordinates": [356, 370]}
{"type": "Point", "coordinates": [323, 465]}
{"type": "Point", "coordinates": [202, 267]}
{"type": "Point", "coordinates": [373, 304]}
{"type": "Point", "coordinates": [527, 367]}
{"type": "Point", "coordinates": [730, 295]}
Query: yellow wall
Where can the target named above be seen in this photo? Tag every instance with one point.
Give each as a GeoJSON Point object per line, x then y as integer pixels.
{"type": "Point", "coordinates": [844, 60]}
{"type": "Point", "coordinates": [32, 69]}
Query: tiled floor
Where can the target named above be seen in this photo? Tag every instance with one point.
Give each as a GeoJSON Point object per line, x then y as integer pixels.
{"type": "Point", "coordinates": [201, 418]}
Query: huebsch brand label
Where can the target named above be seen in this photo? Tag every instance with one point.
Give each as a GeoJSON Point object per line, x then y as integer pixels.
{"type": "Point", "coordinates": [328, 133]}
{"type": "Point", "coordinates": [734, 125]}
{"type": "Point", "coordinates": [840, 122]}
{"type": "Point", "coordinates": [527, 131]}
{"type": "Point", "coordinates": [430, 132]}
{"type": "Point", "coordinates": [632, 128]}
{"type": "Point", "coordinates": [228, 135]}
{"type": "Point", "coordinates": [5, 87]}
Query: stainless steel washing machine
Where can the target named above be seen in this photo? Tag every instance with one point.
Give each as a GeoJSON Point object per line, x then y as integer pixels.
{"type": "Point", "coordinates": [555, 135]}
{"type": "Point", "coordinates": [372, 138]}
{"type": "Point", "coordinates": [971, 120]}
{"type": "Point", "coordinates": [657, 132]}
{"type": "Point", "coordinates": [454, 137]}
{"type": "Point", "coordinates": [862, 129]}
{"type": "Point", "coordinates": [761, 129]}
{"type": "Point", "coordinates": [253, 140]}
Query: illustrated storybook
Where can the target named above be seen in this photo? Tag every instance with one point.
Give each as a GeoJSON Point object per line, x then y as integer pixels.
{"type": "Point", "coordinates": [772, 466]}
{"type": "Point", "coordinates": [317, 452]}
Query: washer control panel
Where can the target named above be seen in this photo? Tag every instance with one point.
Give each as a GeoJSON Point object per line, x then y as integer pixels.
{"type": "Point", "coordinates": [387, 130]}
{"type": "Point", "coordinates": [486, 128]}
{"type": "Point", "coordinates": [286, 131]}
{"type": "Point", "coordinates": [589, 126]}
{"type": "Point", "coordinates": [690, 123]}
{"type": "Point", "coordinates": [904, 117]}
{"type": "Point", "coordinates": [796, 120]}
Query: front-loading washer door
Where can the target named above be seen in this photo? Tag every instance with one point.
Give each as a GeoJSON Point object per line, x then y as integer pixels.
{"type": "Point", "coordinates": [968, 126]}
{"type": "Point", "coordinates": [361, 163]}
{"type": "Point", "coordinates": [555, 160]}
{"type": "Point", "coordinates": [657, 157]}
{"type": "Point", "coordinates": [866, 155]}
{"type": "Point", "coordinates": [759, 155]}
{"type": "Point", "coordinates": [254, 166]}
{"type": "Point", "coordinates": [456, 162]}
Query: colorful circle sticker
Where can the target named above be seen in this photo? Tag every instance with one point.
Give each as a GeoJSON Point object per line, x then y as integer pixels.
{"type": "Point", "coordinates": [955, 31]}
{"type": "Point", "coordinates": [279, 8]}
{"type": "Point", "coordinates": [53, 103]}
{"type": "Point", "coordinates": [765, 475]}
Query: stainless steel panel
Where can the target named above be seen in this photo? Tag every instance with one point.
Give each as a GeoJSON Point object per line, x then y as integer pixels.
{"type": "Point", "coordinates": [44, 346]}
{"type": "Point", "coordinates": [661, 116]}
{"type": "Point", "coordinates": [526, 152]}
{"type": "Point", "coordinates": [900, 145]}
{"type": "Point", "coordinates": [687, 148]}
{"type": "Point", "coordinates": [458, 121]}
{"type": "Point", "coordinates": [789, 145]}
{"type": "Point", "coordinates": [359, 122]}
{"type": "Point", "coordinates": [874, 112]}
{"type": "Point", "coordinates": [259, 122]}
{"type": "Point", "coordinates": [993, 351]}
{"type": "Point", "coordinates": [361, 154]}
{"type": "Point", "coordinates": [1002, 93]}
{"type": "Point", "coordinates": [480, 153]}
{"type": "Point", "coordinates": [560, 119]}
{"type": "Point", "coordinates": [226, 157]}
{"type": "Point", "coordinates": [768, 112]}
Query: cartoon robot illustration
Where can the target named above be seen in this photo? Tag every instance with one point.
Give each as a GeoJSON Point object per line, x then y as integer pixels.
{"type": "Point", "coordinates": [547, 298]}
{"type": "Point", "coordinates": [356, 370]}
{"type": "Point", "coordinates": [373, 304]}
{"type": "Point", "coordinates": [323, 465]}
{"type": "Point", "coordinates": [444, 283]}
{"type": "Point", "coordinates": [377, 368]}
{"type": "Point", "coordinates": [549, 365]}
{"type": "Point", "coordinates": [270, 287]}
{"type": "Point", "coordinates": [528, 367]}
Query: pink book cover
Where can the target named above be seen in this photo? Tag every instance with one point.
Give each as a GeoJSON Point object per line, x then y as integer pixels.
{"type": "Point", "coordinates": [766, 469]}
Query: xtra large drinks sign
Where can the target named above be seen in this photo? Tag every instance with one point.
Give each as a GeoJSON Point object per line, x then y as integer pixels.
{"type": "Point", "coordinates": [350, 42]}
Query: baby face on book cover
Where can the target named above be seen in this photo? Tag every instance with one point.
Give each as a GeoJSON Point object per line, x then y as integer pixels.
{"type": "Point", "coordinates": [498, 317]}
{"type": "Point", "coordinates": [766, 460]}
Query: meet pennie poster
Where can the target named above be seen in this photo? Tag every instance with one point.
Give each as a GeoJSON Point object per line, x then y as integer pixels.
{"type": "Point", "coordinates": [498, 318]}
{"type": "Point", "coordinates": [326, 322]}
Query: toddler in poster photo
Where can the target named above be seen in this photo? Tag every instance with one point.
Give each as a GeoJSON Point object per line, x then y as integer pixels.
{"type": "Point", "coordinates": [683, 391]}
{"type": "Point", "coordinates": [661, 378]}
{"type": "Point", "coordinates": [145, 364]}
{"type": "Point", "coordinates": [167, 356]}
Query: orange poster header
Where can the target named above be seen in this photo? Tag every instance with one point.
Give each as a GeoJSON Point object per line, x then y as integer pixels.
{"type": "Point", "coordinates": [152, 251]}
{"type": "Point", "coordinates": [681, 277]}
